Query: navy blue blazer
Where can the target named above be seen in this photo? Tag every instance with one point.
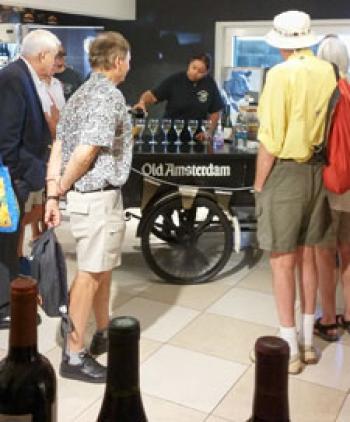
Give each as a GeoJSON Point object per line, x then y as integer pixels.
{"type": "Point", "coordinates": [24, 133]}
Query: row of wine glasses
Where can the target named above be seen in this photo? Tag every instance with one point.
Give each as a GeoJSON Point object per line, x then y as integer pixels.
{"type": "Point", "coordinates": [165, 125]}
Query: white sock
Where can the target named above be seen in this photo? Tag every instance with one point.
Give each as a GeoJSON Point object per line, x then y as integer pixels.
{"type": "Point", "coordinates": [306, 332]}
{"type": "Point", "coordinates": [75, 357]}
{"type": "Point", "coordinates": [289, 334]}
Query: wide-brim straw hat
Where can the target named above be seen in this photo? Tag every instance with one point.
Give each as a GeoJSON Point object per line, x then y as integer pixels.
{"type": "Point", "coordinates": [291, 30]}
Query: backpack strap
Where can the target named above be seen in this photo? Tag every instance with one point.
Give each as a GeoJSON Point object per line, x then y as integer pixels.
{"type": "Point", "coordinates": [336, 71]}
{"type": "Point", "coordinates": [321, 150]}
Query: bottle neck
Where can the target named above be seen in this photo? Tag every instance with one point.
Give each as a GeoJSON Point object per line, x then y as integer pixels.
{"type": "Point", "coordinates": [23, 327]}
{"type": "Point", "coordinates": [123, 367]}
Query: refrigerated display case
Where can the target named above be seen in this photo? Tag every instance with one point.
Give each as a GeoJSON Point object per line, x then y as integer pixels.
{"type": "Point", "coordinates": [9, 36]}
{"type": "Point", "coordinates": [241, 50]}
{"type": "Point", "coordinates": [242, 44]}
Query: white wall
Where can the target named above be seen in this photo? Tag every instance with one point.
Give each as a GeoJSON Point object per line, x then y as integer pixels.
{"type": "Point", "coordinates": [111, 9]}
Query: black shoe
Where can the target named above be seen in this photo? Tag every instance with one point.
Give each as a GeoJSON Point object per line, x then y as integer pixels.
{"type": "Point", "coordinates": [99, 344]}
{"type": "Point", "coordinates": [88, 371]}
{"type": "Point", "coordinates": [5, 322]}
{"type": "Point", "coordinates": [25, 268]}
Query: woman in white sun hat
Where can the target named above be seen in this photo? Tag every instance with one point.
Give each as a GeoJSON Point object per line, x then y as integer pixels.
{"type": "Point", "coordinates": [291, 205]}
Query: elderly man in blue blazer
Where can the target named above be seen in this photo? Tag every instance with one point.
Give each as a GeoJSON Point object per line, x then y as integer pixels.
{"type": "Point", "coordinates": [24, 138]}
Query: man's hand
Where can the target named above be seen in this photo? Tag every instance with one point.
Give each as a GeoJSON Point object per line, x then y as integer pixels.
{"type": "Point", "coordinates": [258, 189]}
{"type": "Point", "coordinates": [203, 136]}
{"type": "Point", "coordinates": [264, 164]}
{"type": "Point", "coordinates": [52, 213]}
{"type": "Point", "coordinates": [141, 105]}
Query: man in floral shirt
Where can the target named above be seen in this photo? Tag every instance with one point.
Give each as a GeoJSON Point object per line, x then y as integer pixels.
{"type": "Point", "coordinates": [90, 161]}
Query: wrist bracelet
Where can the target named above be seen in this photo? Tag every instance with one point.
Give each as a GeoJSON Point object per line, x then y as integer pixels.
{"type": "Point", "coordinates": [55, 197]}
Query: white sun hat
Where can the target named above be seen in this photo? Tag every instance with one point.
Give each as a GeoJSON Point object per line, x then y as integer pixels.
{"type": "Point", "coordinates": [291, 30]}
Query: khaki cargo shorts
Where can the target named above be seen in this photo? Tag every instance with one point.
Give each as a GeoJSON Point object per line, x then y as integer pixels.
{"type": "Point", "coordinates": [34, 198]}
{"type": "Point", "coordinates": [98, 226]}
{"type": "Point", "coordinates": [292, 210]}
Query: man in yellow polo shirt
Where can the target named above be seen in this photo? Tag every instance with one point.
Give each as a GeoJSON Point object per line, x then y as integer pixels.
{"type": "Point", "coordinates": [291, 206]}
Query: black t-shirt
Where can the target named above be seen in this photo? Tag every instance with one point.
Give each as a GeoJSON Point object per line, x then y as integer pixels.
{"type": "Point", "coordinates": [71, 80]}
{"type": "Point", "coordinates": [187, 99]}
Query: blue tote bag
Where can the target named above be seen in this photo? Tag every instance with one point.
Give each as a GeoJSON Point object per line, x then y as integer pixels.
{"type": "Point", "coordinates": [9, 210]}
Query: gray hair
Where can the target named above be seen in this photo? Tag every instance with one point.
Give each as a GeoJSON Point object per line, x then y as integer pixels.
{"type": "Point", "coordinates": [39, 41]}
{"type": "Point", "coordinates": [334, 50]}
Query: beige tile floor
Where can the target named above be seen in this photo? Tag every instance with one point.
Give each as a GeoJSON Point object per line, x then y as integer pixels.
{"type": "Point", "coordinates": [195, 344]}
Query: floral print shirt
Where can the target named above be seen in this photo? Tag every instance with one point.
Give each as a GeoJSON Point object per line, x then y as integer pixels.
{"type": "Point", "coordinates": [96, 114]}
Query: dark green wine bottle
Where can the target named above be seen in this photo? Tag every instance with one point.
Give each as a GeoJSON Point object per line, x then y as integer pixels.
{"type": "Point", "coordinates": [271, 380]}
{"type": "Point", "coordinates": [27, 379]}
{"type": "Point", "coordinates": [122, 400]}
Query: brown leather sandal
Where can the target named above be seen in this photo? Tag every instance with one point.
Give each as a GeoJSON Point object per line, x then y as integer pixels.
{"type": "Point", "coordinates": [343, 323]}
{"type": "Point", "coordinates": [322, 330]}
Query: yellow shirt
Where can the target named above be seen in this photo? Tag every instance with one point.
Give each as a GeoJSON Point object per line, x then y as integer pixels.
{"type": "Point", "coordinates": [293, 105]}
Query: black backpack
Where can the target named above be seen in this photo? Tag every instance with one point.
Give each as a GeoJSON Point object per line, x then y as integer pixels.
{"type": "Point", "coordinates": [48, 268]}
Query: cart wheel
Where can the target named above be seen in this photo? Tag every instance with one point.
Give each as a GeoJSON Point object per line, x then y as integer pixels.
{"type": "Point", "coordinates": [187, 246]}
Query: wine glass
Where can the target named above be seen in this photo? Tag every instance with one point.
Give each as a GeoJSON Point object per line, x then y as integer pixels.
{"type": "Point", "coordinates": [206, 125]}
{"type": "Point", "coordinates": [153, 126]}
{"type": "Point", "coordinates": [192, 127]}
{"type": "Point", "coordinates": [140, 126]}
{"type": "Point", "coordinates": [166, 126]}
{"type": "Point", "coordinates": [179, 124]}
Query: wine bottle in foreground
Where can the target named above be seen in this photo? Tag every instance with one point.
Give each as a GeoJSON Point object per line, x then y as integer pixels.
{"type": "Point", "coordinates": [27, 379]}
{"type": "Point", "coordinates": [122, 400]}
{"type": "Point", "coordinates": [271, 380]}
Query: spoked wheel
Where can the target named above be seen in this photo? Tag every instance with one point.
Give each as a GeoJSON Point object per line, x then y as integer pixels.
{"type": "Point", "coordinates": [187, 246]}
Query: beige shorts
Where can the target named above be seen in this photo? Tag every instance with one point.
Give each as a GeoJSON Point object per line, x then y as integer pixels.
{"type": "Point", "coordinates": [34, 198]}
{"type": "Point", "coordinates": [98, 226]}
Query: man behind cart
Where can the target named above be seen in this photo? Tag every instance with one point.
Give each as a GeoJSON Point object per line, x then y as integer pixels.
{"type": "Point", "coordinates": [291, 205]}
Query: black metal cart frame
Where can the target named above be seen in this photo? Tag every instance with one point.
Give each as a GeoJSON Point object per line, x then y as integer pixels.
{"type": "Point", "coordinates": [191, 202]}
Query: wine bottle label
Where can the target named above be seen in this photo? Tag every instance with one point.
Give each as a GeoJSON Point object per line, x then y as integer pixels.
{"type": "Point", "coordinates": [14, 418]}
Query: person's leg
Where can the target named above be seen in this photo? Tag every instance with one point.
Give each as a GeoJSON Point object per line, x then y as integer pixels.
{"type": "Point", "coordinates": [101, 301]}
{"type": "Point", "coordinates": [37, 214]}
{"type": "Point", "coordinates": [9, 265]}
{"type": "Point", "coordinates": [344, 251]}
{"type": "Point", "coordinates": [77, 363]}
{"type": "Point", "coordinates": [99, 341]}
{"type": "Point", "coordinates": [81, 298]}
{"type": "Point", "coordinates": [308, 293]}
{"type": "Point", "coordinates": [326, 272]}
{"type": "Point", "coordinates": [8, 272]}
{"type": "Point", "coordinates": [307, 279]}
{"type": "Point", "coordinates": [283, 274]}
{"type": "Point", "coordinates": [283, 267]}
{"type": "Point", "coordinates": [27, 218]}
